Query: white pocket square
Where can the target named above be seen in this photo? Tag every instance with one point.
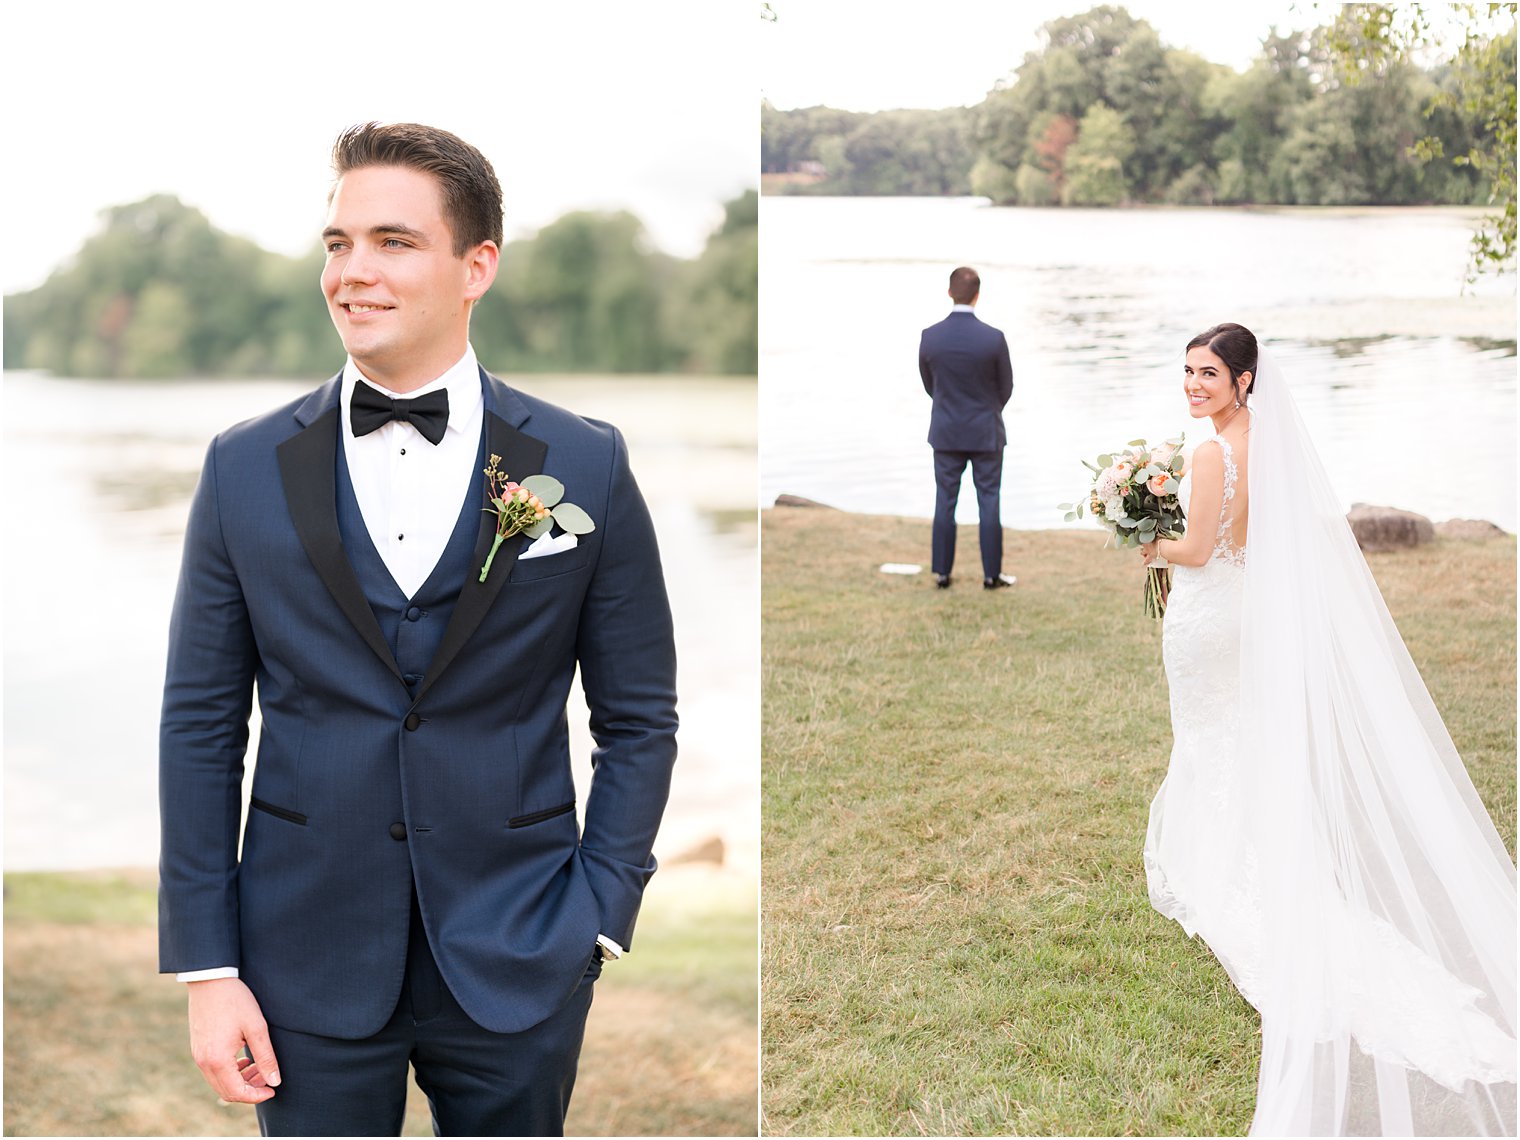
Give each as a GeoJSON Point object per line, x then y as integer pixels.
{"type": "Point", "coordinates": [544, 545]}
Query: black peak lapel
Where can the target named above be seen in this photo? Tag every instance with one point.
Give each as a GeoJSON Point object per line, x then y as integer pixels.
{"type": "Point", "coordinates": [307, 470]}
{"type": "Point", "coordinates": [521, 456]}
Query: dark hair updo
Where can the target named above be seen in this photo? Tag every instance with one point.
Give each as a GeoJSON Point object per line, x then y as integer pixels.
{"type": "Point", "coordinates": [1235, 345]}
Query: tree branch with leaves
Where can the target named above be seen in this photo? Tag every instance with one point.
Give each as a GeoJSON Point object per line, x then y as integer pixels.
{"type": "Point", "coordinates": [1367, 39]}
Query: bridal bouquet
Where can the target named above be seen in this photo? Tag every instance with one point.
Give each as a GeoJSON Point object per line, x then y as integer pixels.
{"type": "Point", "coordinates": [1134, 494]}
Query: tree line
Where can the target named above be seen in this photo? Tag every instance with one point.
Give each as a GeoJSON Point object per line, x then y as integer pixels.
{"type": "Point", "coordinates": [161, 292]}
{"type": "Point", "coordinates": [1105, 114]}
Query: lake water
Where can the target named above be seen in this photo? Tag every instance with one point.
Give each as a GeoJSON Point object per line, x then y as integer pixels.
{"type": "Point", "coordinates": [98, 477]}
{"type": "Point", "coordinates": [1406, 382]}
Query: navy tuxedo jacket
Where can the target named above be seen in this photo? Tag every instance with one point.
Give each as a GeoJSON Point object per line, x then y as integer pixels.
{"type": "Point", "coordinates": [369, 781]}
{"type": "Point", "coordinates": [965, 368]}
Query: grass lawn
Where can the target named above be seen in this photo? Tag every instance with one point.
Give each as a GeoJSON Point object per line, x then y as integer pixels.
{"type": "Point", "coordinates": [96, 1042]}
{"type": "Point", "coordinates": [957, 934]}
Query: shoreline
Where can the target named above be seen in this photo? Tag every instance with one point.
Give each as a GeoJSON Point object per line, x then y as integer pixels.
{"type": "Point", "coordinates": [802, 503]}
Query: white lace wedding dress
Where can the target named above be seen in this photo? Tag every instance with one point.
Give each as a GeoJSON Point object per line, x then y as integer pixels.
{"type": "Point", "coordinates": [1197, 865]}
{"type": "Point", "coordinates": [1316, 829]}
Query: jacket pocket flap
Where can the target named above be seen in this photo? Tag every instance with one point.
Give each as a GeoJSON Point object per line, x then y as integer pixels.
{"type": "Point", "coordinates": [278, 812]}
{"type": "Point", "coordinates": [539, 816]}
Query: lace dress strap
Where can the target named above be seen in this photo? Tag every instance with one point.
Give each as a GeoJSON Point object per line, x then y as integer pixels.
{"type": "Point", "coordinates": [1224, 543]}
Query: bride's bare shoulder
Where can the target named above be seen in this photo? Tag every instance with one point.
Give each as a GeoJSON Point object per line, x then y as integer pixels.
{"type": "Point", "coordinates": [1204, 460]}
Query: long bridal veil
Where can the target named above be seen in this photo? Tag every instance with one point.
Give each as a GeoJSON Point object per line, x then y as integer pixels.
{"type": "Point", "coordinates": [1387, 898]}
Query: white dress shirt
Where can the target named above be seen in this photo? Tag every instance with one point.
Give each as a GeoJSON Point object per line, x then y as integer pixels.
{"type": "Point", "coordinates": [410, 493]}
{"type": "Point", "coordinates": [409, 490]}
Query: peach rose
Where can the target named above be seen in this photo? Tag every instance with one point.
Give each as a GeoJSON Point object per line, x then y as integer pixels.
{"type": "Point", "coordinates": [1157, 482]}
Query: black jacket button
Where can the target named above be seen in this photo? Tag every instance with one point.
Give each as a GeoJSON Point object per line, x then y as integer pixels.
{"type": "Point", "coordinates": [398, 831]}
{"type": "Point", "coordinates": [412, 721]}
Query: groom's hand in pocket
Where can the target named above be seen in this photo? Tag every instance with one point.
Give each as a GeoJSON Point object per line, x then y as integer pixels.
{"type": "Point", "coordinates": [224, 1017]}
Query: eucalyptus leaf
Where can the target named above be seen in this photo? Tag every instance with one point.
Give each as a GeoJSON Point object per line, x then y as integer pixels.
{"type": "Point", "coordinates": [1070, 516]}
{"type": "Point", "coordinates": [541, 527]}
{"type": "Point", "coordinates": [1105, 461]}
{"type": "Point", "coordinates": [573, 520]}
{"type": "Point", "coordinates": [549, 489]}
{"type": "Point", "coordinates": [1137, 443]}
{"type": "Point", "coordinates": [1063, 506]}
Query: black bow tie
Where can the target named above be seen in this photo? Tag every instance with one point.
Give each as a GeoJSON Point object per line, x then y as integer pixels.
{"type": "Point", "coordinates": [372, 410]}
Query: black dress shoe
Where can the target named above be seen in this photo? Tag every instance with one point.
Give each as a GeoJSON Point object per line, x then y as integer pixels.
{"type": "Point", "coordinates": [942, 581]}
{"type": "Point", "coordinates": [998, 583]}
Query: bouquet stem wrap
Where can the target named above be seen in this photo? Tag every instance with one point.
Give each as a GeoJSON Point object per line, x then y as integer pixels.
{"type": "Point", "coordinates": [1134, 495]}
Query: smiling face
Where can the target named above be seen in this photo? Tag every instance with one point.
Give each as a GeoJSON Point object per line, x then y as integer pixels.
{"type": "Point", "coordinates": [398, 296]}
{"type": "Point", "coordinates": [1206, 383]}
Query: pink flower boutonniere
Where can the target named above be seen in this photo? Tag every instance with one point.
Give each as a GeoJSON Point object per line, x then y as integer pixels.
{"type": "Point", "coordinates": [531, 507]}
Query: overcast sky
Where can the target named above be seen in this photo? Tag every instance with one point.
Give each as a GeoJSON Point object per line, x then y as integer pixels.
{"type": "Point", "coordinates": [592, 104]}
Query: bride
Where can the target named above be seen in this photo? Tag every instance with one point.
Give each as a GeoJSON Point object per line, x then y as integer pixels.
{"type": "Point", "coordinates": [1316, 827]}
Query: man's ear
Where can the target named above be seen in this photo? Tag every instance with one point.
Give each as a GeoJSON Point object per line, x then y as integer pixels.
{"type": "Point", "coordinates": [480, 265]}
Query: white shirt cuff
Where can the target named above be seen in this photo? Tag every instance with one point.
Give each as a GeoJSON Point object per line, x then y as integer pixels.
{"type": "Point", "coordinates": [612, 949]}
{"type": "Point", "coordinates": [207, 975]}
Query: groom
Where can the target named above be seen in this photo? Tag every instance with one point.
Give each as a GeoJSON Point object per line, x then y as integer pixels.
{"type": "Point", "coordinates": [411, 885]}
{"type": "Point", "coordinates": [965, 369]}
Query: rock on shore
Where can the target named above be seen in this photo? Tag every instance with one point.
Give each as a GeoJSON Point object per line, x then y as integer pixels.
{"type": "Point", "coordinates": [1388, 528]}
{"type": "Point", "coordinates": [1468, 529]}
{"type": "Point", "coordinates": [799, 501]}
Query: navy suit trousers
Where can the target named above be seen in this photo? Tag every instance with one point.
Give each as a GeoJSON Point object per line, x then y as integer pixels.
{"type": "Point", "coordinates": [987, 476]}
{"type": "Point", "coordinates": [478, 1083]}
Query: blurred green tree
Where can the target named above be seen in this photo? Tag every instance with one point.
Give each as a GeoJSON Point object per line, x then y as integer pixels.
{"type": "Point", "coordinates": [711, 317]}
{"type": "Point", "coordinates": [1370, 41]}
{"type": "Point", "coordinates": [159, 292]}
{"type": "Point", "coordinates": [1095, 165]}
{"type": "Point", "coordinates": [919, 152]}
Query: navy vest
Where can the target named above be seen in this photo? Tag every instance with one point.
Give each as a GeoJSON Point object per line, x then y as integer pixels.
{"type": "Point", "coordinates": [414, 626]}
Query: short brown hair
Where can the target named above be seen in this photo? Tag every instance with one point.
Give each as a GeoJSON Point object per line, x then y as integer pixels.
{"type": "Point", "coordinates": [471, 194]}
{"type": "Point", "coordinates": [964, 285]}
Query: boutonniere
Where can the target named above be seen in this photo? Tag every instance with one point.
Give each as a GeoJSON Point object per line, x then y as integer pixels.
{"type": "Point", "coordinates": [530, 507]}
